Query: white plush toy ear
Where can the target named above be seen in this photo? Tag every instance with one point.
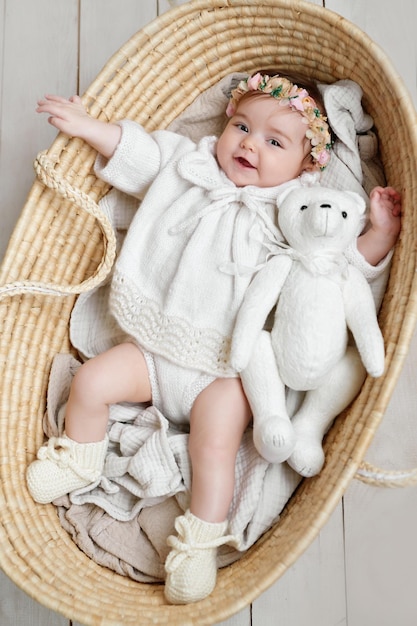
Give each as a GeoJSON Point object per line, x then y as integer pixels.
{"type": "Point", "coordinates": [286, 192]}
{"type": "Point", "coordinates": [281, 197]}
{"type": "Point", "coordinates": [359, 201]}
{"type": "Point", "coordinates": [306, 179]}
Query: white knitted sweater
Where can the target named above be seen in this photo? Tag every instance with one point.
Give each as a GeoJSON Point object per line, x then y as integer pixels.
{"type": "Point", "coordinates": [191, 249]}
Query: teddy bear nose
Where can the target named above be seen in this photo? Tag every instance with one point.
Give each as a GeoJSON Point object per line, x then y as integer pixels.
{"type": "Point", "coordinates": [325, 206]}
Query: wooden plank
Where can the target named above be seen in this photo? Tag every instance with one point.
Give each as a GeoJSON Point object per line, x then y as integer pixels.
{"type": "Point", "coordinates": [2, 36]}
{"type": "Point", "coordinates": [312, 591]}
{"type": "Point", "coordinates": [381, 554]}
{"type": "Point", "coordinates": [18, 609]}
{"type": "Point", "coordinates": [381, 546]}
{"type": "Point", "coordinates": [39, 55]}
{"type": "Point", "coordinates": [95, 49]}
{"type": "Point", "coordinates": [283, 599]}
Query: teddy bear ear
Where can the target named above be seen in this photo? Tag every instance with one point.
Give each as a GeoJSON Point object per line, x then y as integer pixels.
{"type": "Point", "coordinates": [306, 179]}
{"type": "Point", "coordinates": [287, 188]}
{"type": "Point", "coordinates": [310, 178]}
{"type": "Point", "coordinates": [281, 196]}
{"type": "Point", "coordinates": [359, 201]}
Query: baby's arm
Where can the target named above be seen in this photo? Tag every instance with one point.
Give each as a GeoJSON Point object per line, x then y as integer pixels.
{"type": "Point", "coordinates": [71, 118]}
{"type": "Point", "coordinates": [385, 224]}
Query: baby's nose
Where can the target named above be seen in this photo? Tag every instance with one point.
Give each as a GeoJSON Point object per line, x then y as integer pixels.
{"type": "Point", "coordinates": [248, 143]}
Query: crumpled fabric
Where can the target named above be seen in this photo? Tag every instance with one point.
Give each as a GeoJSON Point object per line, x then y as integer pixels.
{"type": "Point", "coordinates": [123, 521]}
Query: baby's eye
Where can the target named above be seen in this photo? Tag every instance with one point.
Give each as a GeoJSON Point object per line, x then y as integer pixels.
{"type": "Point", "coordinates": [242, 127]}
{"type": "Point", "coordinates": [274, 142]}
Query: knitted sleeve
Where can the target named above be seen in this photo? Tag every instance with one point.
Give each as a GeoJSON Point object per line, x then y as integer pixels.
{"type": "Point", "coordinates": [138, 158]}
{"type": "Point", "coordinates": [376, 275]}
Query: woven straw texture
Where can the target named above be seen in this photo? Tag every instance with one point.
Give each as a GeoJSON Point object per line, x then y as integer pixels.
{"type": "Point", "coordinates": [152, 78]}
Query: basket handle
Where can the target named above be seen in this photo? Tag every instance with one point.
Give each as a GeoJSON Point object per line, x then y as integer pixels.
{"type": "Point", "coordinates": [371, 475]}
{"type": "Point", "coordinates": [46, 173]}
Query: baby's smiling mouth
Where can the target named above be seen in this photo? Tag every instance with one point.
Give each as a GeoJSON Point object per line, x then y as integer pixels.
{"type": "Point", "coordinates": [244, 163]}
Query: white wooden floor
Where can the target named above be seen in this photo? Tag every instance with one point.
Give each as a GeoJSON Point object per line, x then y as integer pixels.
{"type": "Point", "coordinates": [362, 569]}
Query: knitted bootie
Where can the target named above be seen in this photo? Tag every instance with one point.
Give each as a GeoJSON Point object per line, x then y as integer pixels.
{"type": "Point", "coordinates": [64, 465]}
{"type": "Point", "coordinates": [191, 565]}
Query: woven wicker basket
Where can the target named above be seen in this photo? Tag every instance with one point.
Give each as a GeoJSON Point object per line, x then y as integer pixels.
{"type": "Point", "coordinates": [152, 78]}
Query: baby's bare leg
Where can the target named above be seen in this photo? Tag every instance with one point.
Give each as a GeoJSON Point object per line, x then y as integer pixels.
{"type": "Point", "coordinates": [219, 418]}
{"type": "Point", "coordinates": [118, 375]}
{"type": "Point", "coordinates": [76, 459]}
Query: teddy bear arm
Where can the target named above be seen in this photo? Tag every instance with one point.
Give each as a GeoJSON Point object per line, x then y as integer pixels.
{"type": "Point", "coordinates": [362, 320]}
{"type": "Point", "coordinates": [261, 296]}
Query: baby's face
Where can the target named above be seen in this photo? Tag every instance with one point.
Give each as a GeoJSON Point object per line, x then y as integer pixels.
{"type": "Point", "coordinates": [264, 144]}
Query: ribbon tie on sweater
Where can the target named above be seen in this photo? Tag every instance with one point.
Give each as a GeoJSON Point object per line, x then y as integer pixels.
{"type": "Point", "coordinates": [202, 170]}
{"type": "Point", "coordinates": [263, 229]}
{"type": "Point", "coordinates": [221, 198]}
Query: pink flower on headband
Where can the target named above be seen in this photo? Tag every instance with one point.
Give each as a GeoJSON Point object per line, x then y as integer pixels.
{"type": "Point", "coordinates": [297, 103]}
{"type": "Point", "coordinates": [298, 99]}
{"type": "Point", "coordinates": [323, 158]}
{"type": "Point", "coordinates": [254, 82]}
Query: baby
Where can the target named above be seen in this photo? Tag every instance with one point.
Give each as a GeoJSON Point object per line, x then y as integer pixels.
{"type": "Point", "coordinates": [204, 227]}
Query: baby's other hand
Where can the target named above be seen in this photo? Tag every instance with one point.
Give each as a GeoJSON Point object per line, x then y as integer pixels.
{"type": "Point", "coordinates": [385, 211]}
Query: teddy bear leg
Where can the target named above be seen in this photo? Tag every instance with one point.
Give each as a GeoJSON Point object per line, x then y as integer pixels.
{"type": "Point", "coordinates": [319, 409]}
{"type": "Point", "coordinates": [273, 433]}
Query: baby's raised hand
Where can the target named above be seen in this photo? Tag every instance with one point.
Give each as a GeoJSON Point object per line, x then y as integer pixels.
{"type": "Point", "coordinates": [67, 115]}
{"type": "Point", "coordinates": [385, 211]}
{"type": "Point", "coordinates": [385, 224]}
{"type": "Point", "coordinates": [70, 117]}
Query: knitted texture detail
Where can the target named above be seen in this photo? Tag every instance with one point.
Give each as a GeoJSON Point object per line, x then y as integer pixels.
{"type": "Point", "coordinates": [203, 349]}
{"type": "Point", "coordinates": [64, 465]}
{"type": "Point", "coordinates": [191, 565]}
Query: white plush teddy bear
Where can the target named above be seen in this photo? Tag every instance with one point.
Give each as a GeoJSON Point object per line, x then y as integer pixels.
{"type": "Point", "coordinates": [318, 297]}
